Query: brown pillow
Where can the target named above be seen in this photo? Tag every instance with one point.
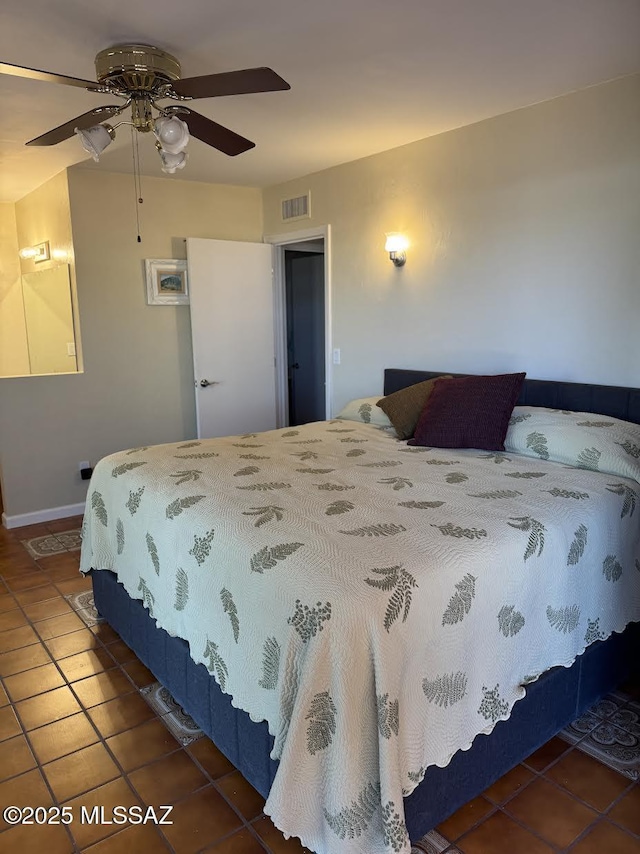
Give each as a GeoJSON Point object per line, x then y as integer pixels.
{"type": "Point", "coordinates": [403, 407]}
{"type": "Point", "coordinates": [470, 412]}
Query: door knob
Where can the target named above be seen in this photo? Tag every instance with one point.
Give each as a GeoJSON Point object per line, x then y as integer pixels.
{"type": "Point", "coordinates": [205, 383]}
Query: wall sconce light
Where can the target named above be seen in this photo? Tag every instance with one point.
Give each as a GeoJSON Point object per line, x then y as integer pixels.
{"type": "Point", "coordinates": [37, 253]}
{"type": "Point", "coordinates": [396, 246]}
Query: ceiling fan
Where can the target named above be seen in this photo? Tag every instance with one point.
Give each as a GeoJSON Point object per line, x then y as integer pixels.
{"type": "Point", "coordinates": [142, 75]}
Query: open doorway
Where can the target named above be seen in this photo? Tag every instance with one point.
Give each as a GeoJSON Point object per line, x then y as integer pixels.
{"type": "Point", "coordinates": [302, 325]}
{"type": "Point", "coordinates": [304, 304]}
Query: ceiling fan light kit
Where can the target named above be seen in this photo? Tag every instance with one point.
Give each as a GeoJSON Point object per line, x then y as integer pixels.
{"type": "Point", "coordinates": [142, 75]}
{"type": "Point", "coordinates": [94, 140]}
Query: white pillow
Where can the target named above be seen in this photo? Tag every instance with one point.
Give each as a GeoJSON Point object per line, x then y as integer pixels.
{"type": "Point", "coordinates": [581, 439]}
{"type": "Point", "coordinates": [364, 409]}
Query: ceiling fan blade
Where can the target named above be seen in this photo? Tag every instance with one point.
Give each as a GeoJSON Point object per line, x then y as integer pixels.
{"type": "Point", "coordinates": [231, 83]}
{"type": "Point", "coordinates": [48, 76]}
{"type": "Point", "coordinates": [86, 120]}
{"type": "Point", "coordinates": [213, 134]}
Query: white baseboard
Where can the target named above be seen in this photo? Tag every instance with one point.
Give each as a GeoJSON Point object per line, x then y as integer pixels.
{"type": "Point", "coordinates": [47, 515]}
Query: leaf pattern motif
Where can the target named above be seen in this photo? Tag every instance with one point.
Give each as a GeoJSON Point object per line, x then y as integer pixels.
{"type": "Point", "coordinates": [337, 507]}
{"type": "Point", "coordinates": [629, 498]}
{"type": "Point", "coordinates": [322, 722]}
{"type": "Point", "coordinates": [565, 619]}
{"type": "Point", "coordinates": [396, 483]}
{"type": "Point", "coordinates": [265, 514]}
{"type": "Point", "coordinates": [230, 609]}
{"type": "Point", "coordinates": [445, 690]}
{"type": "Point", "coordinates": [456, 477]}
{"type": "Point", "coordinates": [518, 419]}
{"type": "Point", "coordinates": [611, 568]}
{"type": "Point", "coordinates": [352, 821]}
{"type": "Point", "coordinates": [266, 487]}
{"type": "Point", "coordinates": [153, 553]}
{"type": "Point", "coordinates": [536, 533]}
{"type": "Point", "coordinates": [125, 467]}
{"type": "Point", "coordinates": [589, 458]}
{"type": "Point", "coordinates": [202, 456]}
{"type": "Point", "coordinates": [269, 556]}
{"type": "Point", "coordinates": [496, 493]}
{"type": "Point", "coordinates": [270, 664]}
{"type": "Point", "coordinates": [133, 502]}
{"type": "Point", "coordinates": [381, 530]}
{"type": "Point", "coordinates": [578, 546]}
{"type": "Point", "coordinates": [401, 582]}
{"type": "Point", "coordinates": [216, 664]}
{"type": "Point", "coordinates": [186, 476]}
{"type": "Point", "coordinates": [510, 621]}
{"type": "Point", "coordinates": [496, 457]}
{"type": "Point", "coordinates": [630, 448]}
{"type": "Point", "coordinates": [148, 599]}
{"type": "Point", "coordinates": [420, 505]}
{"type": "Point", "coordinates": [308, 621]}
{"type": "Point", "coordinates": [383, 464]}
{"type": "Point", "coordinates": [364, 411]}
{"type": "Point", "coordinates": [333, 487]}
{"type": "Point", "coordinates": [119, 536]}
{"type": "Point", "coordinates": [525, 474]}
{"type": "Point", "coordinates": [176, 507]}
{"type": "Point", "coordinates": [451, 530]}
{"type": "Point", "coordinates": [388, 715]}
{"type": "Point", "coordinates": [97, 504]}
{"type": "Point", "coordinates": [492, 706]}
{"type": "Point", "coordinates": [538, 444]}
{"type": "Point", "coordinates": [246, 470]}
{"type": "Point", "coordinates": [201, 547]}
{"type": "Point", "coordinates": [182, 590]}
{"type": "Point", "coordinates": [356, 452]}
{"type": "Point", "coordinates": [567, 493]}
{"type": "Point", "coordinates": [461, 601]}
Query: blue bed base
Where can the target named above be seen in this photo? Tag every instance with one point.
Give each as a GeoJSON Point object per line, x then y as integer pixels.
{"type": "Point", "coordinates": [556, 699]}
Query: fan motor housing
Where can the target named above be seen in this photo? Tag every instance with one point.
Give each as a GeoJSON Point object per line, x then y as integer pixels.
{"type": "Point", "coordinates": [136, 67]}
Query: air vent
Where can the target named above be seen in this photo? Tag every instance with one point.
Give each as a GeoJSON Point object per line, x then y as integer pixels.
{"type": "Point", "coordinates": [298, 208]}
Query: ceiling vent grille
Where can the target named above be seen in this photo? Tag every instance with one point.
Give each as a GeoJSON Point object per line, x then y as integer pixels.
{"type": "Point", "coordinates": [298, 208]}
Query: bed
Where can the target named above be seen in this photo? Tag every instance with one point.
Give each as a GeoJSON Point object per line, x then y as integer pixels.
{"type": "Point", "coordinates": [436, 727]}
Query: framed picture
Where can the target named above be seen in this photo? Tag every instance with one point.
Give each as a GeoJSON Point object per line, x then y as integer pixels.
{"type": "Point", "coordinates": [166, 282]}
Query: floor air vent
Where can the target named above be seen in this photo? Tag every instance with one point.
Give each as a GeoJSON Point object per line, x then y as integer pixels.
{"type": "Point", "coordinates": [297, 208]}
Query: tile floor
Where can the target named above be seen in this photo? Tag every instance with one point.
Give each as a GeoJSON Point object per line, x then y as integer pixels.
{"type": "Point", "coordinates": [76, 730]}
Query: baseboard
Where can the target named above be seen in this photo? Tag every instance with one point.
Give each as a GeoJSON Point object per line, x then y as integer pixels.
{"type": "Point", "coordinates": [47, 515]}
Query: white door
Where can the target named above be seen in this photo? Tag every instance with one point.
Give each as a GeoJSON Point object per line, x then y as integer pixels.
{"type": "Point", "coordinates": [231, 300]}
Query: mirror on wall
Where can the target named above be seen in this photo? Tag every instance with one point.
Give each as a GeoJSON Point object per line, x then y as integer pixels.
{"type": "Point", "coordinates": [49, 320]}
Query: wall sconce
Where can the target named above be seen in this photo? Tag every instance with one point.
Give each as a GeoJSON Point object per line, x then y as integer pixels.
{"type": "Point", "coordinates": [37, 253]}
{"type": "Point", "coordinates": [396, 246]}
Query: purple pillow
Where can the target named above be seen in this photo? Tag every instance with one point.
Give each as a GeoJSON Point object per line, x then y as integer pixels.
{"type": "Point", "coordinates": [470, 412]}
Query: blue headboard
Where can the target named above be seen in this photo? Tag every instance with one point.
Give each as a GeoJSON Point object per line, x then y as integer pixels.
{"type": "Point", "coordinates": [614, 401]}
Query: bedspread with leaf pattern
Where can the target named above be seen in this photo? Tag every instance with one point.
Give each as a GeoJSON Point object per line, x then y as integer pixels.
{"type": "Point", "coordinates": [378, 605]}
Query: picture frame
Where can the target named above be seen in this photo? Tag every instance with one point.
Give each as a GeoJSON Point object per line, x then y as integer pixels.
{"type": "Point", "coordinates": [167, 282]}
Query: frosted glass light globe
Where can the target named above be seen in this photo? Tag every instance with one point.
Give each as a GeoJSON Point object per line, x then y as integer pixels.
{"type": "Point", "coordinates": [172, 134]}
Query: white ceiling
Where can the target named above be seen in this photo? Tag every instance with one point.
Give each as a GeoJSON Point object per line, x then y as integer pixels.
{"type": "Point", "coordinates": [365, 75]}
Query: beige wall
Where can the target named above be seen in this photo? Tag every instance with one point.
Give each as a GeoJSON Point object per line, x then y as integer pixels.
{"type": "Point", "coordinates": [525, 249]}
{"type": "Point", "coordinates": [137, 385]}
{"type": "Point", "coordinates": [14, 356]}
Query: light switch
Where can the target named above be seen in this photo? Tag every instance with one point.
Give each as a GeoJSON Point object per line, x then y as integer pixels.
{"type": "Point", "coordinates": [336, 356]}
{"type": "Point", "coordinates": [71, 349]}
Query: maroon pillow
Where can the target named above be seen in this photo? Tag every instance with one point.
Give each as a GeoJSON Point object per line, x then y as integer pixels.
{"type": "Point", "coordinates": [470, 412]}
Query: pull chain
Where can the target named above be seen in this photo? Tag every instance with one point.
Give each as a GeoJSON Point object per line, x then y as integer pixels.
{"type": "Point", "coordinates": [137, 181]}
